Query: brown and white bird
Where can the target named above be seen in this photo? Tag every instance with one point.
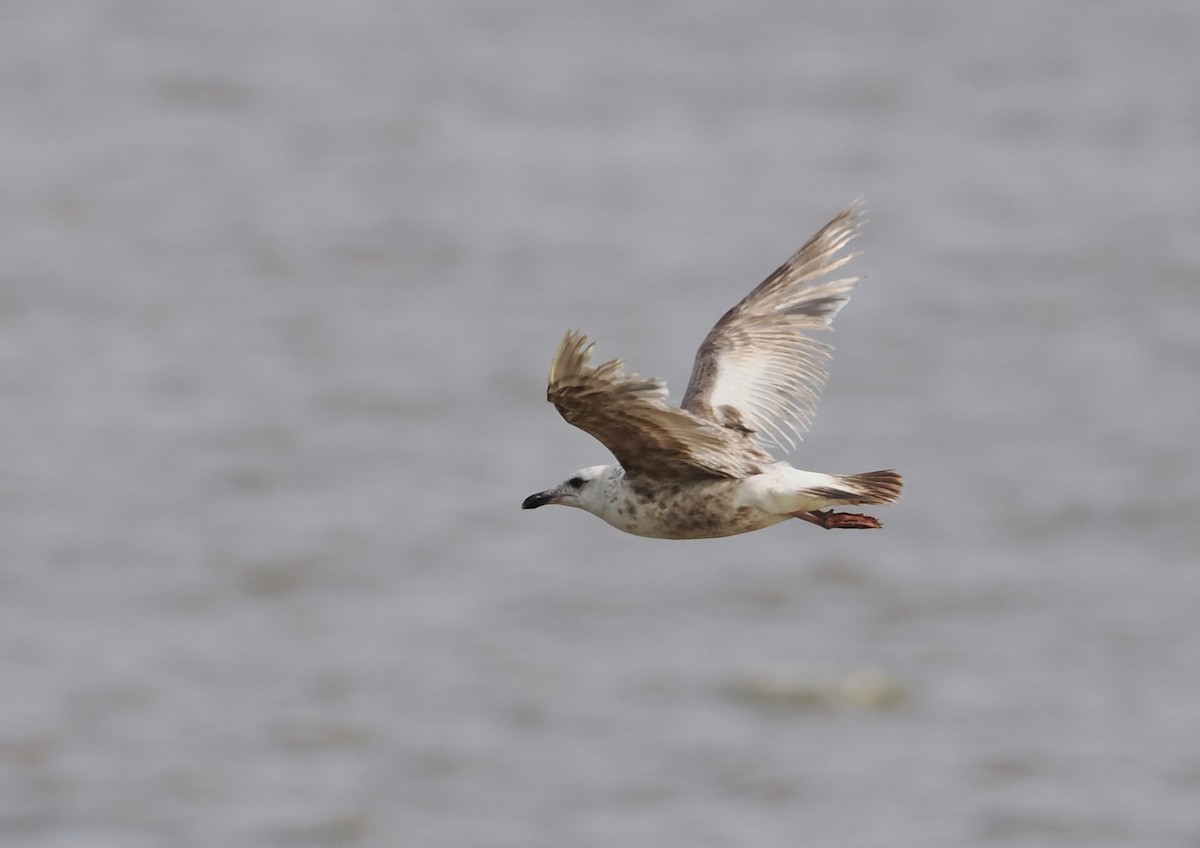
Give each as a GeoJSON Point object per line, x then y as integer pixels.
{"type": "Point", "coordinates": [703, 470]}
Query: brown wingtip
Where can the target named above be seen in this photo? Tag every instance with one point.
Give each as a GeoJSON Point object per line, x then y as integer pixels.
{"type": "Point", "coordinates": [571, 356]}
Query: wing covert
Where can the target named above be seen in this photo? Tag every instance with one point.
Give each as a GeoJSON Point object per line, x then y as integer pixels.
{"type": "Point", "coordinates": [629, 415]}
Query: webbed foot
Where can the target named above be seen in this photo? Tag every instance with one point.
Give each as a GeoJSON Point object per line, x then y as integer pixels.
{"type": "Point", "coordinates": [840, 520]}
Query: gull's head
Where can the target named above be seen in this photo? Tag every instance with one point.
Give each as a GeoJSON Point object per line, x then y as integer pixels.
{"type": "Point", "coordinates": [583, 490]}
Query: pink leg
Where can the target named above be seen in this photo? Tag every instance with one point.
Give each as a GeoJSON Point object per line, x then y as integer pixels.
{"type": "Point", "coordinates": [841, 520]}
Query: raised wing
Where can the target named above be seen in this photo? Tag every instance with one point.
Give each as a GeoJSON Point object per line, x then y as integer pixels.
{"type": "Point", "coordinates": [628, 414]}
{"type": "Point", "coordinates": [759, 371]}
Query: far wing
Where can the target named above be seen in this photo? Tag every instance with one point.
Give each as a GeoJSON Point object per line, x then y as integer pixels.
{"type": "Point", "coordinates": [629, 416]}
{"type": "Point", "coordinates": [760, 371]}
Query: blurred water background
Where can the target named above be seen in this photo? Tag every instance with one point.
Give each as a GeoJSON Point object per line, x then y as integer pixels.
{"type": "Point", "coordinates": [279, 283]}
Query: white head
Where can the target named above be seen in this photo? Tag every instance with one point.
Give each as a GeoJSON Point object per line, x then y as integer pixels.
{"type": "Point", "coordinates": [585, 489]}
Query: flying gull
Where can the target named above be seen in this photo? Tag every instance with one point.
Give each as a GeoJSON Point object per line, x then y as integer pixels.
{"type": "Point", "coordinates": [704, 469]}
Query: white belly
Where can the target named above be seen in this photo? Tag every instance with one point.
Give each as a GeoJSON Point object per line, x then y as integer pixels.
{"type": "Point", "coordinates": [693, 510]}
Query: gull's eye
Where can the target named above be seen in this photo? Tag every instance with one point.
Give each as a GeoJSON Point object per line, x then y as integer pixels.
{"type": "Point", "coordinates": [575, 482]}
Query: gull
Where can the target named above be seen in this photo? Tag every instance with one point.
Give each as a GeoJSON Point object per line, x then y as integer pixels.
{"type": "Point", "coordinates": [704, 469]}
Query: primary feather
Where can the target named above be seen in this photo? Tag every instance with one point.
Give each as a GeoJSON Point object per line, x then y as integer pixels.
{"type": "Point", "coordinates": [759, 370]}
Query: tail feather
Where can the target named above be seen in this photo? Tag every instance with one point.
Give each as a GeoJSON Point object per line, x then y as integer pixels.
{"type": "Point", "coordinates": [874, 487]}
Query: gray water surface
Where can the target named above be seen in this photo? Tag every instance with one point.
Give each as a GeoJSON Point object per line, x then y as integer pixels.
{"type": "Point", "coordinates": [279, 284]}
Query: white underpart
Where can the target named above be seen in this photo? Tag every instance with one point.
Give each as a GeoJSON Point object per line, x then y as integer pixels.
{"type": "Point", "coordinates": [783, 490]}
{"type": "Point", "coordinates": [719, 507]}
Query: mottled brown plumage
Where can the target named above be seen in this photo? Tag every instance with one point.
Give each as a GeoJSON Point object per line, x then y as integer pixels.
{"type": "Point", "coordinates": [629, 415]}
{"type": "Point", "coordinates": [704, 469]}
